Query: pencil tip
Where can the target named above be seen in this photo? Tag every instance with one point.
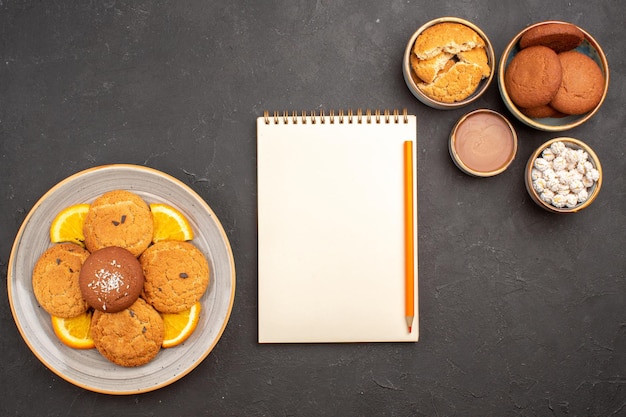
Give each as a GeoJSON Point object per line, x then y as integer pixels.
{"type": "Point", "coordinates": [409, 329]}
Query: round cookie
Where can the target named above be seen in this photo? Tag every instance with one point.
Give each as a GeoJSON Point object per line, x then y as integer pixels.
{"type": "Point", "coordinates": [118, 218]}
{"type": "Point", "coordinates": [131, 337]}
{"type": "Point", "coordinates": [533, 76]}
{"type": "Point", "coordinates": [582, 84]}
{"type": "Point", "coordinates": [559, 37]}
{"type": "Point", "coordinates": [176, 274]}
{"type": "Point", "coordinates": [111, 279]}
{"type": "Point", "coordinates": [55, 280]}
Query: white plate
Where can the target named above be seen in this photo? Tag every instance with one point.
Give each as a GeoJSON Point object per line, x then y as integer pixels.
{"type": "Point", "coordinates": [87, 368]}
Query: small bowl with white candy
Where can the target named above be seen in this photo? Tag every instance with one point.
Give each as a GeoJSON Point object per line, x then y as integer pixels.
{"type": "Point", "coordinates": [563, 175]}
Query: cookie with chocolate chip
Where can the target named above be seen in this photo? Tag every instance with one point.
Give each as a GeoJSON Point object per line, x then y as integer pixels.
{"type": "Point", "coordinates": [119, 218]}
{"type": "Point", "coordinates": [131, 337]}
{"type": "Point", "coordinates": [176, 275]}
{"type": "Point", "coordinates": [55, 280]}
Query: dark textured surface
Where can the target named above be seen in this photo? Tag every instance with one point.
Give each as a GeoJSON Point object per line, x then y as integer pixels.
{"type": "Point", "coordinates": [523, 312]}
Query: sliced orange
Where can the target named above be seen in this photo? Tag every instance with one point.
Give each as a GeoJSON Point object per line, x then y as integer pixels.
{"type": "Point", "coordinates": [169, 224]}
{"type": "Point", "coordinates": [67, 226]}
{"type": "Point", "coordinates": [179, 326]}
{"type": "Point", "coordinates": [74, 332]}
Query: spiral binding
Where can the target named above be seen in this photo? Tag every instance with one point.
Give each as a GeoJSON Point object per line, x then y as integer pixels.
{"type": "Point", "coordinates": [348, 117]}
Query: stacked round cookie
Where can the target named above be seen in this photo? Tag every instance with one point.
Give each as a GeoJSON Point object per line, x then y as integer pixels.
{"type": "Point", "coordinates": [548, 77]}
{"type": "Point", "coordinates": [126, 279]}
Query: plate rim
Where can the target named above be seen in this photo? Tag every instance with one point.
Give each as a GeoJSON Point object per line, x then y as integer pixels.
{"type": "Point", "coordinates": [16, 244]}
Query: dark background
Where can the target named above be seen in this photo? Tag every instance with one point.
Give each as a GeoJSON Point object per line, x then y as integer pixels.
{"type": "Point", "coordinates": [522, 312]}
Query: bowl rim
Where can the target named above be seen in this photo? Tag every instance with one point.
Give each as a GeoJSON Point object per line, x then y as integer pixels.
{"type": "Point", "coordinates": [534, 122]}
{"type": "Point", "coordinates": [459, 162]}
{"type": "Point", "coordinates": [592, 156]}
{"type": "Point", "coordinates": [482, 87]}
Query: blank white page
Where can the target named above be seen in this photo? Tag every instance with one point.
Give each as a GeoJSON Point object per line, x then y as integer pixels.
{"type": "Point", "coordinates": [331, 230]}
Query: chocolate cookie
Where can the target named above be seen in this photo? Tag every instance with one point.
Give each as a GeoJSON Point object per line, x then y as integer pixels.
{"type": "Point", "coordinates": [119, 218]}
{"type": "Point", "coordinates": [55, 280]}
{"type": "Point", "coordinates": [582, 84]}
{"type": "Point", "coordinates": [559, 37]}
{"type": "Point", "coordinates": [176, 274]}
{"type": "Point", "coordinates": [533, 76]}
{"type": "Point", "coordinates": [111, 279]}
{"type": "Point", "coordinates": [131, 337]}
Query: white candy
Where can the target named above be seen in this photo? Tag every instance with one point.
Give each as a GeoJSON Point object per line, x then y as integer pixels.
{"type": "Point", "coordinates": [593, 174]}
{"type": "Point", "coordinates": [563, 189]}
{"type": "Point", "coordinates": [576, 186]}
{"type": "Point", "coordinates": [553, 185]}
{"type": "Point", "coordinates": [571, 155]}
{"type": "Point", "coordinates": [571, 200]}
{"type": "Point", "coordinates": [575, 175]}
{"type": "Point", "coordinates": [539, 185]}
{"type": "Point", "coordinates": [562, 175]}
{"type": "Point", "coordinates": [547, 196]}
{"type": "Point", "coordinates": [557, 148]}
{"type": "Point", "coordinates": [559, 201]}
{"type": "Point", "coordinates": [547, 154]}
{"type": "Point", "coordinates": [549, 174]}
{"type": "Point", "coordinates": [541, 164]}
{"type": "Point", "coordinates": [559, 164]}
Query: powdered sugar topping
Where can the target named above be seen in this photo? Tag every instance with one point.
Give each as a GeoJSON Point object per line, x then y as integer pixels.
{"type": "Point", "coordinates": [108, 280]}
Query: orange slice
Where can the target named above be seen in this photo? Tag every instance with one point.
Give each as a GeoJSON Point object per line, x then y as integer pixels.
{"type": "Point", "coordinates": [74, 332]}
{"type": "Point", "coordinates": [169, 224]}
{"type": "Point", "coordinates": [179, 326]}
{"type": "Point", "coordinates": [67, 226]}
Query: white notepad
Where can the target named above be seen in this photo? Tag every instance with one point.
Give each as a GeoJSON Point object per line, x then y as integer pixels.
{"type": "Point", "coordinates": [331, 227]}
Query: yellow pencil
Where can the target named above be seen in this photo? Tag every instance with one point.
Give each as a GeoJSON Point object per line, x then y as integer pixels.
{"type": "Point", "coordinates": [409, 235]}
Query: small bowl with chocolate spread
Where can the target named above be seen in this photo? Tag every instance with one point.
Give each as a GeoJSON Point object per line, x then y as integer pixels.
{"type": "Point", "coordinates": [483, 143]}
